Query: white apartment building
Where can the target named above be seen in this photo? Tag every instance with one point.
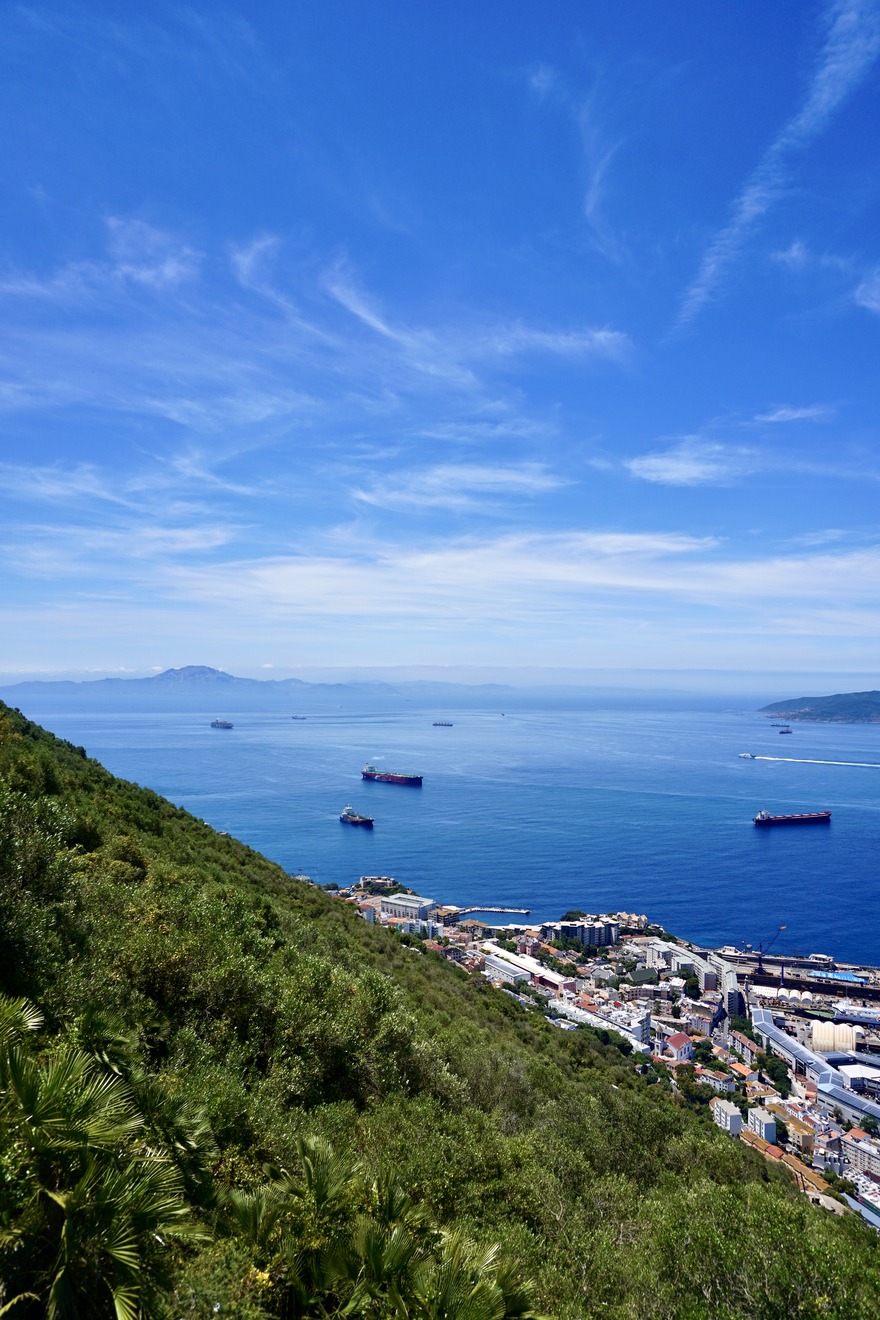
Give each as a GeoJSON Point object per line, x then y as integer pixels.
{"type": "Point", "coordinates": [763, 1125]}
{"type": "Point", "coordinates": [727, 1116]}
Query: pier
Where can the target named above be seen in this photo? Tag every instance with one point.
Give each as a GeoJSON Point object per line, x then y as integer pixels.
{"type": "Point", "coordinates": [524, 912]}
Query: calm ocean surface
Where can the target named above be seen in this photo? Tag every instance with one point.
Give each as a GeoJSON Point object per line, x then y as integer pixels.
{"type": "Point", "coordinates": [645, 811]}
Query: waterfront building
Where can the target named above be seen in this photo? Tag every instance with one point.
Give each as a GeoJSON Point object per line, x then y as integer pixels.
{"type": "Point", "coordinates": [409, 906]}
{"type": "Point", "coordinates": [598, 931]}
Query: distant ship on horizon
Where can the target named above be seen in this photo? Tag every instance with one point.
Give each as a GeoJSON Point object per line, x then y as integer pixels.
{"type": "Point", "coordinates": [222, 724]}
{"type": "Point", "coordinates": [390, 776]}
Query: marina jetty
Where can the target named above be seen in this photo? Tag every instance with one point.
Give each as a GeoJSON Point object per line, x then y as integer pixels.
{"type": "Point", "coordinates": [464, 911]}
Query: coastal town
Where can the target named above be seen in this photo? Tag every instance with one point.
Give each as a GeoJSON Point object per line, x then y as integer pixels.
{"type": "Point", "coordinates": [782, 1051]}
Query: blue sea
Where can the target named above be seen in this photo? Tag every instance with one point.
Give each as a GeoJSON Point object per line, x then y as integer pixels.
{"type": "Point", "coordinates": [605, 810]}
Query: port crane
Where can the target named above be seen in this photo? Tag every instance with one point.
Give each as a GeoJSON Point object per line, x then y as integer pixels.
{"type": "Point", "coordinates": [765, 947]}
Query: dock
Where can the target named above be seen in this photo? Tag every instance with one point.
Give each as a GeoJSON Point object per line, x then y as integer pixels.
{"type": "Point", "coordinates": [523, 912]}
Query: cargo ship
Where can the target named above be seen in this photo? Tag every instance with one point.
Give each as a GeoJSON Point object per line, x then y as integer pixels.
{"type": "Point", "coordinates": [390, 776]}
{"type": "Point", "coordinates": [799, 818]}
{"type": "Point", "coordinates": [785, 730]}
{"type": "Point", "coordinates": [349, 816]}
{"type": "Point", "coordinates": [221, 724]}
{"type": "Point", "coordinates": [443, 724]}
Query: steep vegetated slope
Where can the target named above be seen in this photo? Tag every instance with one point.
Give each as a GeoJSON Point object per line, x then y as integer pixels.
{"type": "Point", "coordinates": [222, 1092]}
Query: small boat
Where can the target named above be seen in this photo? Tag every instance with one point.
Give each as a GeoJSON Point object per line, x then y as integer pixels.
{"type": "Point", "coordinates": [221, 724]}
{"type": "Point", "coordinates": [785, 730]}
{"type": "Point", "coordinates": [349, 816]}
{"type": "Point", "coordinates": [747, 756]}
{"type": "Point", "coordinates": [297, 717]}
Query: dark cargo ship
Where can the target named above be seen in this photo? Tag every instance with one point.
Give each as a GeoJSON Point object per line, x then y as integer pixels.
{"type": "Point", "coordinates": [349, 816]}
{"type": "Point", "coordinates": [800, 818]}
{"type": "Point", "coordinates": [221, 724]}
{"type": "Point", "coordinates": [390, 776]}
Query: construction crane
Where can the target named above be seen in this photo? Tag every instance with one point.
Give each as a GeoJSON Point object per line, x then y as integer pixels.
{"type": "Point", "coordinates": [765, 948]}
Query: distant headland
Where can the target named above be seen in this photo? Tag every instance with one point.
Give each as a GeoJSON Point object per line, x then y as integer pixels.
{"type": "Point", "coordinates": [842, 708]}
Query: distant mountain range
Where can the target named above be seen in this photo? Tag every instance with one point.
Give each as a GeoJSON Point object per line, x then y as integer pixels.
{"type": "Point", "coordinates": [199, 687]}
{"type": "Point", "coordinates": [842, 708]}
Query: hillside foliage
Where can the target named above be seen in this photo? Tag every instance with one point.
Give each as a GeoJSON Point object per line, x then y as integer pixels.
{"type": "Point", "coordinates": [222, 1092]}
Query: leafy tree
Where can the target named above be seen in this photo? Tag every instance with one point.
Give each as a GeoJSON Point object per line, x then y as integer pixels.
{"type": "Point", "coordinates": [703, 1053]}
{"type": "Point", "coordinates": [777, 1070]}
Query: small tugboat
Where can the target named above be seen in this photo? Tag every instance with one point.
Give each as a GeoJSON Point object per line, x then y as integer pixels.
{"type": "Point", "coordinates": [349, 816]}
{"type": "Point", "coordinates": [222, 724]}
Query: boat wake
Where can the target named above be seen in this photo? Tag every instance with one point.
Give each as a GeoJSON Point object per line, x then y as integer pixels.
{"type": "Point", "coordinates": [806, 760]}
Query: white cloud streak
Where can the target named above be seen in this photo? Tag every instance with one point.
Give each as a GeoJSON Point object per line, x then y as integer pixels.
{"type": "Point", "coordinates": [851, 47]}
{"type": "Point", "coordinates": [462, 487]}
{"type": "Point", "coordinates": [694, 462]}
{"type": "Point", "coordinates": [867, 294]}
{"type": "Point", "coordinates": [816, 412]}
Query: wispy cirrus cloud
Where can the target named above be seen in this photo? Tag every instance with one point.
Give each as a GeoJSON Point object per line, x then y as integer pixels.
{"type": "Point", "coordinates": [814, 412]}
{"type": "Point", "coordinates": [697, 461]}
{"type": "Point", "coordinates": [137, 254]}
{"type": "Point", "coordinates": [694, 461]}
{"type": "Point", "coordinates": [459, 487]}
{"type": "Point", "coordinates": [851, 47]}
{"type": "Point", "coordinates": [598, 150]}
{"type": "Point", "coordinates": [460, 344]}
{"type": "Point", "coordinates": [867, 293]}
{"type": "Point", "coordinates": [519, 338]}
{"type": "Point", "coordinates": [59, 484]}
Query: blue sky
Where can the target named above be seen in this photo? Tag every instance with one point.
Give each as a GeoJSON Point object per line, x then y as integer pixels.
{"type": "Point", "coordinates": [450, 334]}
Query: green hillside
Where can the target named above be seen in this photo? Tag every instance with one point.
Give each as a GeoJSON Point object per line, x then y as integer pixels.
{"type": "Point", "coordinates": [223, 1092]}
{"type": "Point", "coordinates": [842, 708]}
